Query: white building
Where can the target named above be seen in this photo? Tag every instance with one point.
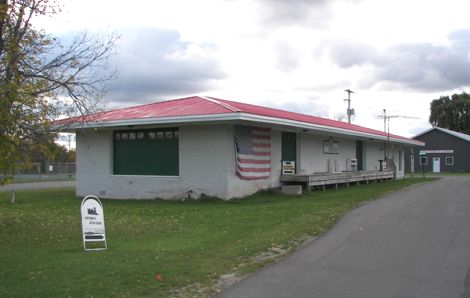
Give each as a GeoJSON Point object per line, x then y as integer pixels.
{"type": "Point", "coordinates": [199, 145]}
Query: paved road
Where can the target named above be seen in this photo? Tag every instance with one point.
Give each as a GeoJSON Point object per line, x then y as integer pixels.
{"type": "Point", "coordinates": [412, 243]}
{"type": "Point", "coordinates": [38, 185]}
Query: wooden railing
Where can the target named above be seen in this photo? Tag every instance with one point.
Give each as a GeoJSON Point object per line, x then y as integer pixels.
{"type": "Point", "coordinates": [324, 179]}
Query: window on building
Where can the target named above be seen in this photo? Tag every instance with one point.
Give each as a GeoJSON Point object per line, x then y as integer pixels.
{"type": "Point", "coordinates": [449, 160]}
{"type": "Point", "coordinates": [146, 152]}
{"type": "Point", "coordinates": [423, 160]}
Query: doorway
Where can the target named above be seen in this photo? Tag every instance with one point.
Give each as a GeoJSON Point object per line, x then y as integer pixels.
{"type": "Point", "coordinates": [359, 155]}
{"type": "Point", "coordinates": [436, 164]}
{"type": "Point", "coordinates": [289, 147]}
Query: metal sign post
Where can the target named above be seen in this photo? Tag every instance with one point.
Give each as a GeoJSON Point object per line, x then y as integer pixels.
{"type": "Point", "coordinates": [93, 229]}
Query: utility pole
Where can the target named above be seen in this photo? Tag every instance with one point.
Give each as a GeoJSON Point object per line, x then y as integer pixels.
{"type": "Point", "coordinates": [349, 111]}
{"type": "Point", "coordinates": [385, 120]}
{"type": "Point", "coordinates": [386, 145]}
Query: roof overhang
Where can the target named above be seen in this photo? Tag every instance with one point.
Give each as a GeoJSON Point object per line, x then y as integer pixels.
{"type": "Point", "coordinates": [456, 134]}
{"type": "Point", "coordinates": [227, 117]}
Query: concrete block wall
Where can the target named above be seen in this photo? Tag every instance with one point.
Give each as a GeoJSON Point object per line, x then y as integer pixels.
{"type": "Point", "coordinates": [207, 164]}
{"type": "Point", "coordinates": [205, 159]}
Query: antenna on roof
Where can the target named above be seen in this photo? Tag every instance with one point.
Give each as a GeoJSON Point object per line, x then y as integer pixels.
{"type": "Point", "coordinates": [349, 110]}
{"type": "Point", "coordinates": [387, 125]}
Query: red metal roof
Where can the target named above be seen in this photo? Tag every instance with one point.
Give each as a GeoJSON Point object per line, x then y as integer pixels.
{"type": "Point", "coordinates": [189, 106]}
{"type": "Point", "coordinates": [200, 106]}
{"type": "Point", "coordinates": [276, 113]}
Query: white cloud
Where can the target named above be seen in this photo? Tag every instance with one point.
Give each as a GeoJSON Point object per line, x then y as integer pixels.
{"type": "Point", "coordinates": [288, 54]}
{"type": "Point", "coordinates": [417, 66]}
{"type": "Point", "coordinates": [154, 63]}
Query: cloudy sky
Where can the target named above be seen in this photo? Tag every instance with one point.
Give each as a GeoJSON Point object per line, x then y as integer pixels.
{"type": "Point", "coordinates": [297, 55]}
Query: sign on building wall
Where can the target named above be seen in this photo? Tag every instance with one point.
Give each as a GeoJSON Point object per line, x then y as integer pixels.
{"type": "Point", "coordinates": [435, 151]}
{"type": "Point", "coordinates": [288, 167]}
{"type": "Point", "coordinates": [330, 147]}
{"type": "Point", "coordinates": [93, 229]}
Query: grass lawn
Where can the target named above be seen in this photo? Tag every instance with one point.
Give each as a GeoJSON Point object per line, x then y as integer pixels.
{"type": "Point", "coordinates": [157, 247]}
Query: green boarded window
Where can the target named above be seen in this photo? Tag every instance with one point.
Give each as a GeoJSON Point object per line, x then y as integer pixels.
{"type": "Point", "coordinates": [146, 152]}
{"type": "Point", "coordinates": [289, 146]}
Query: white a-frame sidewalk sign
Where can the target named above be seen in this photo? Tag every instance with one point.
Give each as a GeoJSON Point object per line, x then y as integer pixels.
{"type": "Point", "coordinates": [93, 223]}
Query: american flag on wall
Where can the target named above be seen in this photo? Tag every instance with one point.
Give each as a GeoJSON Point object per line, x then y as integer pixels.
{"type": "Point", "coordinates": [253, 152]}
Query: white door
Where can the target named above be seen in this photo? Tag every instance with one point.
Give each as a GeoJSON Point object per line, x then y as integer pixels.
{"type": "Point", "coordinates": [436, 164]}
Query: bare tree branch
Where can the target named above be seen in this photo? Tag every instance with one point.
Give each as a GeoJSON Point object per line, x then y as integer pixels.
{"type": "Point", "coordinates": [41, 78]}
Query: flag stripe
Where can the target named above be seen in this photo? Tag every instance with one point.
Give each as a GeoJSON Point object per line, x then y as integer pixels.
{"type": "Point", "coordinates": [253, 152]}
{"type": "Point", "coordinates": [257, 170]}
{"type": "Point", "coordinates": [262, 137]}
{"type": "Point", "coordinates": [254, 157]}
{"type": "Point", "coordinates": [252, 174]}
{"type": "Point", "coordinates": [253, 161]}
{"type": "Point", "coordinates": [262, 153]}
{"type": "Point", "coordinates": [262, 141]}
{"type": "Point", "coordinates": [261, 145]}
{"type": "Point", "coordinates": [252, 178]}
{"type": "Point", "coordinates": [255, 165]}
{"type": "Point", "coordinates": [263, 150]}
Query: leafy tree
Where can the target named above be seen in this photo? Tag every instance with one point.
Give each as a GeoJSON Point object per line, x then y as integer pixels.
{"type": "Point", "coordinates": [41, 78]}
{"type": "Point", "coordinates": [42, 148]}
{"type": "Point", "coordinates": [451, 112]}
{"type": "Point", "coordinates": [71, 156]}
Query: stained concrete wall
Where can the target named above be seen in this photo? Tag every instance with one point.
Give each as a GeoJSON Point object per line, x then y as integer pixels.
{"type": "Point", "coordinates": [374, 151]}
{"type": "Point", "coordinates": [314, 160]}
{"type": "Point", "coordinates": [207, 164]}
{"type": "Point", "coordinates": [205, 159]}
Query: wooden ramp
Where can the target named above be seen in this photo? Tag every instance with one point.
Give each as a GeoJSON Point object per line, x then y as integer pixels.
{"type": "Point", "coordinates": [336, 179]}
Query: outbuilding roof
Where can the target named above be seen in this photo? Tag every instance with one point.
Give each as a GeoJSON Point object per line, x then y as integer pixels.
{"type": "Point", "coordinates": [209, 109]}
{"type": "Point", "coordinates": [459, 135]}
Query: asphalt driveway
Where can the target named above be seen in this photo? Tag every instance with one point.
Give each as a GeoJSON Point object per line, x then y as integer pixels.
{"type": "Point", "coordinates": [411, 243]}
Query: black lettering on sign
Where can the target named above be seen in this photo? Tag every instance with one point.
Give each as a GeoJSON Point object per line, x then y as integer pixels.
{"type": "Point", "coordinates": [90, 237]}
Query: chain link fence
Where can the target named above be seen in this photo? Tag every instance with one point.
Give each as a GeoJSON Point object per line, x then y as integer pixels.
{"type": "Point", "coordinates": [46, 171]}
